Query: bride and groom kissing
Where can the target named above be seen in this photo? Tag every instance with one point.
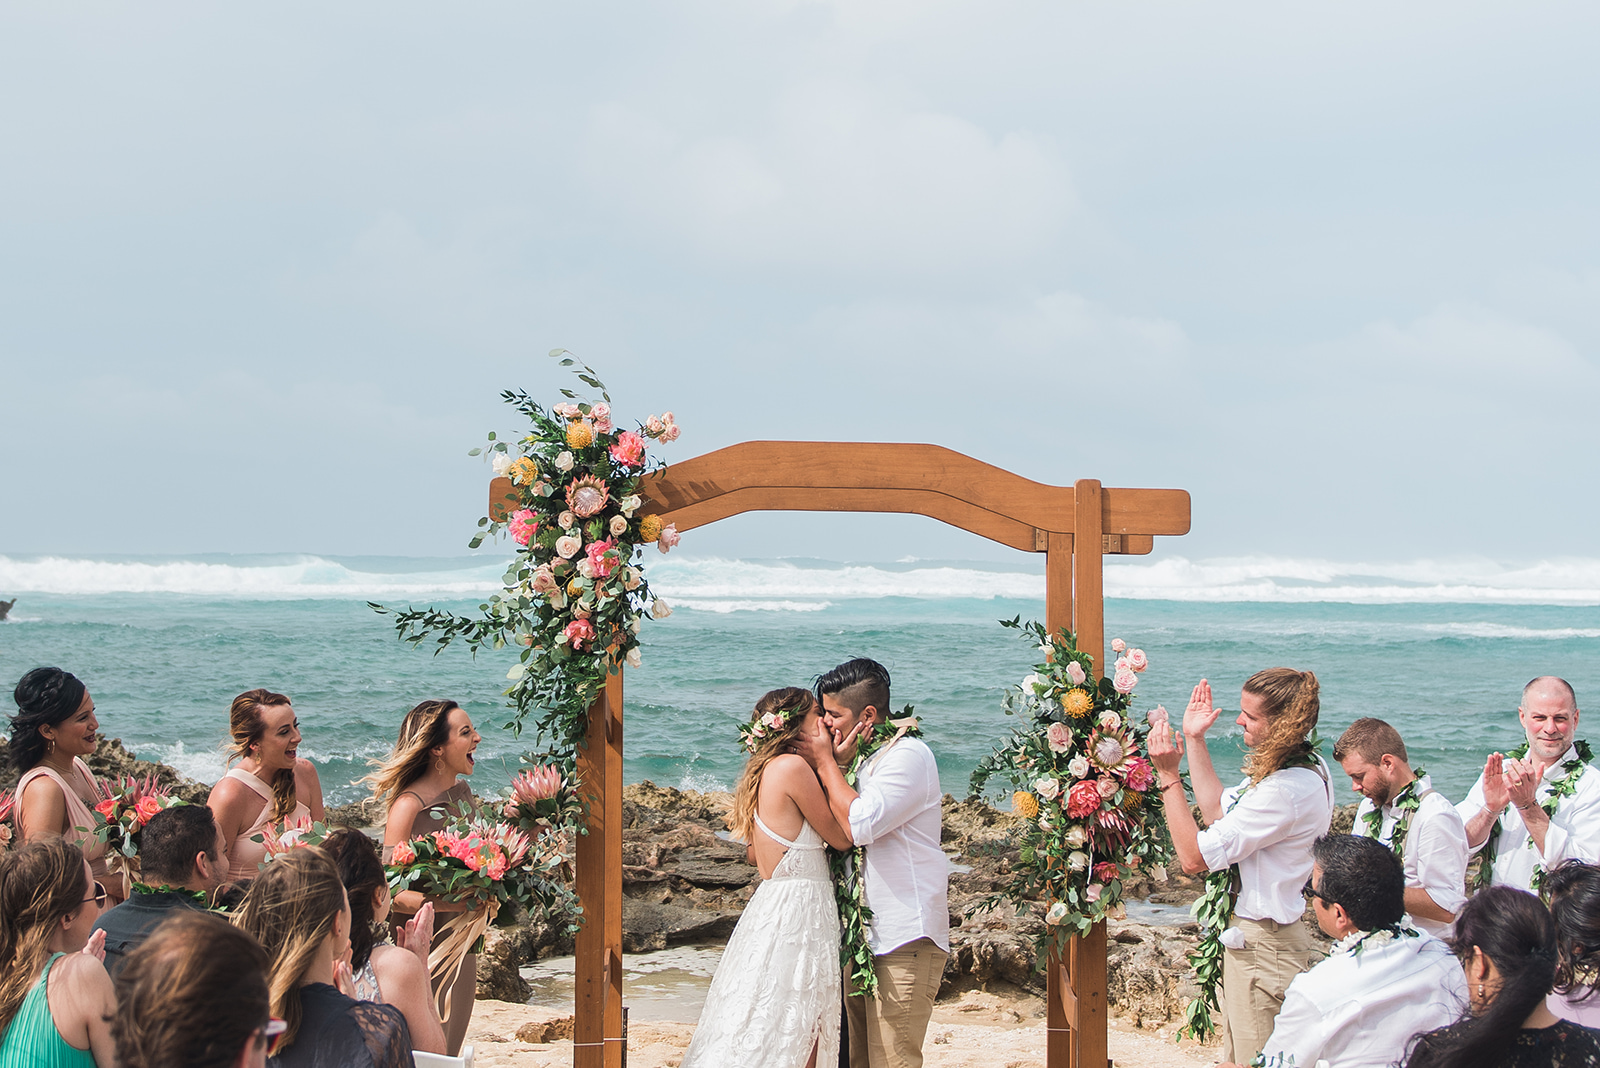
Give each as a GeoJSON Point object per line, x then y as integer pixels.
{"type": "Point", "coordinates": [774, 1002]}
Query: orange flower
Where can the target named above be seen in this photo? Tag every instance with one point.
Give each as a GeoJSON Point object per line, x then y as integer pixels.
{"type": "Point", "coordinates": [650, 528]}
{"type": "Point", "coordinates": [1077, 703]}
{"type": "Point", "coordinates": [580, 435]}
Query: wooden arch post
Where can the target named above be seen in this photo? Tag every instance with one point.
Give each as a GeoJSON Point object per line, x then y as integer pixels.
{"type": "Point", "coordinates": [1074, 526]}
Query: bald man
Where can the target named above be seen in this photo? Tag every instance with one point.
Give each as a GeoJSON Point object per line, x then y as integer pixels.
{"type": "Point", "coordinates": [1540, 804]}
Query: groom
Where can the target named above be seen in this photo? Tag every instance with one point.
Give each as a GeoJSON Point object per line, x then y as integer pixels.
{"type": "Point", "coordinates": [896, 816]}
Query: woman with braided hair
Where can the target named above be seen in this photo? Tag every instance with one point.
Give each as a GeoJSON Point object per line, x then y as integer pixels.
{"type": "Point", "coordinates": [54, 729]}
{"type": "Point", "coordinates": [1256, 844]}
{"type": "Point", "coordinates": [272, 786]}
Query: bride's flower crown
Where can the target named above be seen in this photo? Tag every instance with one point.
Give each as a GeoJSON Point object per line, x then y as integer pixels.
{"type": "Point", "coordinates": [755, 732]}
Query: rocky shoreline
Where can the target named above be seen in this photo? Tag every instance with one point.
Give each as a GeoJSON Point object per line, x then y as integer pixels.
{"type": "Point", "coordinates": [684, 883]}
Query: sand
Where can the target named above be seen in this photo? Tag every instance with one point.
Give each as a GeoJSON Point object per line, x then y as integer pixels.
{"type": "Point", "coordinates": [979, 1029]}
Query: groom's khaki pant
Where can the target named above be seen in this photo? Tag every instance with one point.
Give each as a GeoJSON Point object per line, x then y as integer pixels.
{"type": "Point", "coordinates": [887, 1031]}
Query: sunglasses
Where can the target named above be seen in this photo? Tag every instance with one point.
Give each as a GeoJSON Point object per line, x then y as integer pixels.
{"type": "Point", "coordinates": [99, 896]}
{"type": "Point", "coordinates": [271, 1033]}
{"type": "Point", "coordinates": [1310, 891]}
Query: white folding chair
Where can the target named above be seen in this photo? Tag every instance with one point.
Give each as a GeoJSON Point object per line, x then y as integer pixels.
{"type": "Point", "coordinates": [439, 1060]}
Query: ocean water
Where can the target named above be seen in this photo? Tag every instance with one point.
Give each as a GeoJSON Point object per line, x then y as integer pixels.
{"type": "Point", "coordinates": [1439, 648]}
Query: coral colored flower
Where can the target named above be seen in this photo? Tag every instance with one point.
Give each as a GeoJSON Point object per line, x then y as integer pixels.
{"type": "Point", "coordinates": [147, 807]}
{"type": "Point", "coordinates": [628, 449]}
{"type": "Point", "coordinates": [1118, 645]}
{"type": "Point", "coordinates": [404, 853]}
{"type": "Point", "coordinates": [1125, 681]}
{"type": "Point", "coordinates": [497, 868]}
{"type": "Point", "coordinates": [106, 807]}
{"type": "Point", "coordinates": [1138, 774]}
{"type": "Point", "coordinates": [579, 632]}
{"type": "Point", "coordinates": [524, 525]}
{"type": "Point", "coordinates": [1082, 799]}
{"type": "Point", "coordinates": [1105, 871]}
{"type": "Point", "coordinates": [601, 564]}
{"type": "Point", "coordinates": [668, 538]}
{"type": "Point", "coordinates": [567, 546]}
{"type": "Point", "coordinates": [1059, 737]}
{"type": "Point", "coordinates": [1076, 673]}
{"type": "Point", "coordinates": [1077, 703]}
{"type": "Point", "coordinates": [1137, 661]}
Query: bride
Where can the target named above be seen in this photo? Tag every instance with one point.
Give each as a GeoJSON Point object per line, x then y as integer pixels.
{"type": "Point", "coordinates": [774, 1002]}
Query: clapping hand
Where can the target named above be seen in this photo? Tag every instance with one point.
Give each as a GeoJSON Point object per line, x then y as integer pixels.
{"type": "Point", "coordinates": [1496, 794]}
{"type": "Point", "coordinates": [417, 934]}
{"type": "Point", "coordinates": [1521, 782]}
{"type": "Point", "coordinates": [96, 946]}
{"type": "Point", "coordinates": [1164, 746]}
{"type": "Point", "coordinates": [1199, 715]}
{"type": "Point", "coordinates": [343, 977]}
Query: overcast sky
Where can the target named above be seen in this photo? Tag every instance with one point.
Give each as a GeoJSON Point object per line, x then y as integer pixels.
{"type": "Point", "coordinates": [1333, 268]}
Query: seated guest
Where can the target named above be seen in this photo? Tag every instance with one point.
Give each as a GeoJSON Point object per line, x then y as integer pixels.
{"type": "Point", "coordinates": [385, 972]}
{"type": "Point", "coordinates": [1401, 809]}
{"type": "Point", "coordinates": [296, 909]}
{"type": "Point", "coordinates": [194, 995]}
{"type": "Point", "coordinates": [1574, 889]}
{"type": "Point", "coordinates": [55, 1001]}
{"type": "Point", "coordinates": [1506, 943]}
{"type": "Point", "coordinates": [181, 861]}
{"type": "Point", "coordinates": [1384, 981]}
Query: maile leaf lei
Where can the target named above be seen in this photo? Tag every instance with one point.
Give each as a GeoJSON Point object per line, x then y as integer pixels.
{"type": "Point", "coordinates": [1566, 786]}
{"type": "Point", "coordinates": [1213, 911]}
{"type": "Point", "coordinates": [849, 869]}
{"type": "Point", "coordinates": [1406, 805]}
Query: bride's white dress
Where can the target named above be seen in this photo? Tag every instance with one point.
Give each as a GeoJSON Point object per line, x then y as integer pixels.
{"type": "Point", "coordinates": [776, 991]}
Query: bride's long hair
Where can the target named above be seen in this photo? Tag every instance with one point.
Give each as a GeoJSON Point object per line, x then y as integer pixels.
{"type": "Point", "coordinates": [792, 703]}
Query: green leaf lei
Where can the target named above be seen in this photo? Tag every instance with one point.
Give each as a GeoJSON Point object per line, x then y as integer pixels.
{"type": "Point", "coordinates": [1406, 804]}
{"type": "Point", "coordinates": [1213, 911]}
{"type": "Point", "coordinates": [1566, 786]}
{"type": "Point", "coordinates": [200, 898]}
{"type": "Point", "coordinates": [849, 869]}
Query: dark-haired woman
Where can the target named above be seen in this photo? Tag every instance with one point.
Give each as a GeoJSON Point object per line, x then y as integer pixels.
{"type": "Point", "coordinates": [1261, 830]}
{"type": "Point", "coordinates": [1574, 891]}
{"type": "Point", "coordinates": [384, 972]}
{"type": "Point", "coordinates": [54, 729]}
{"type": "Point", "coordinates": [194, 995]}
{"type": "Point", "coordinates": [1506, 943]}
{"type": "Point", "coordinates": [55, 1000]}
{"type": "Point", "coordinates": [272, 787]}
{"type": "Point", "coordinates": [421, 784]}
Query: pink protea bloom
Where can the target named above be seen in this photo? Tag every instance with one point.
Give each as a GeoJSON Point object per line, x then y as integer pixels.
{"type": "Point", "coordinates": [1082, 799]}
{"type": "Point", "coordinates": [524, 525]}
{"type": "Point", "coordinates": [628, 450]}
{"type": "Point", "coordinates": [1105, 871]}
{"type": "Point", "coordinates": [539, 784]}
{"type": "Point", "coordinates": [601, 564]}
{"type": "Point", "coordinates": [580, 632]}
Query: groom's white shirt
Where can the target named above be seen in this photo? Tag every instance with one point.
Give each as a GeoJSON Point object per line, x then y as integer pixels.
{"type": "Point", "coordinates": [897, 817]}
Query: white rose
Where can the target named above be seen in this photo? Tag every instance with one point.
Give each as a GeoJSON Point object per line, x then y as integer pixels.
{"type": "Point", "coordinates": [660, 609]}
{"type": "Point", "coordinates": [1076, 836]}
{"type": "Point", "coordinates": [1078, 766]}
{"type": "Point", "coordinates": [1159, 873]}
{"type": "Point", "coordinates": [565, 520]}
{"type": "Point", "coordinates": [630, 504]}
{"type": "Point", "coordinates": [1078, 861]}
{"type": "Point", "coordinates": [501, 463]}
{"type": "Point", "coordinates": [618, 525]}
{"type": "Point", "coordinates": [1047, 788]}
{"type": "Point", "coordinates": [631, 578]}
{"type": "Point", "coordinates": [634, 657]}
{"type": "Point", "coordinates": [634, 624]}
{"type": "Point", "coordinates": [1031, 683]}
{"type": "Point", "coordinates": [564, 462]}
{"type": "Point", "coordinates": [1057, 913]}
{"type": "Point", "coordinates": [585, 569]}
{"type": "Point", "coordinates": [1109, 720]}
{"type": "Point", "coordinates": [568, 546]}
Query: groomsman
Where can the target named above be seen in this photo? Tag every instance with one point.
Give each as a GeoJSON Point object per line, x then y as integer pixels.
{"type": "Point", "coordinates": [1540, 804]}
{"type": "Point", "coordinates": [1432, 840]}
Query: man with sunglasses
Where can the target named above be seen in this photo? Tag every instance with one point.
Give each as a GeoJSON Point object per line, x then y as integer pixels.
{"type": "Point", "coordinates": [1384, 982]}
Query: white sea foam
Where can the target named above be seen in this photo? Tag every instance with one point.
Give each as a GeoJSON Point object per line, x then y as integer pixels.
{"type": "Point", "coordinates": [202, 765]}
{"type": "Point", "coordinates": [725, 586]}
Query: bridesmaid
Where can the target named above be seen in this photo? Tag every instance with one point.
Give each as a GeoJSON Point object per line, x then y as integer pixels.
{"type": "Point", "coordinates": [420, 784]}
{"type": "Point", "coordinates": [54, 729]}
{"type": "Point", "coordinates": [270, 786]}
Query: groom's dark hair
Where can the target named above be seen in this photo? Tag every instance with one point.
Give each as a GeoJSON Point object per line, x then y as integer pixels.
{"type": "Point", "coordinates": [857, 683]}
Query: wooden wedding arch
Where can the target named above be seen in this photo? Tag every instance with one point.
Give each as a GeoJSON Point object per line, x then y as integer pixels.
{"type": "Point", "coordinates": [1074, 526]}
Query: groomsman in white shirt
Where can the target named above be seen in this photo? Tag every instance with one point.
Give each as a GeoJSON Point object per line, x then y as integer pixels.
{"type": "Point", "coordinates": [894, 811]}
{"type": "Point", "coordinates": [1513, 799]}
{"type": "Point", "coordinates": [1384, 981]}
{"type": "Point", "coordinates": [1431, 841]}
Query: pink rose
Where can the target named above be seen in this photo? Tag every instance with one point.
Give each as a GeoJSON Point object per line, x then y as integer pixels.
{"type": "Point", "coordinates": [579, 632]}
{"type": "Point", "coordinates": [1118, 645]}
{"type": "Point", "coordinates": [524, 525]}
{"type": "Point", "coordinates": [1105, 871]}
{"type": "Point", "coordinates": [1107, 787]}
{"type": "Point", "coordinates": [1125, 681]}
{"type": "Point", "coordinates": [403, 854]}
{"type": "Point", "coordinates": [1076, 673]}
{"type": "Point", "coordinates": [1060, 737]}
{"type": "Point", "coordinates": [601, 414]}
{"type": "Point", "coordinates": [671, 433]}
{"type": "Point", "coordinates": [543, 581]}
{"type": "Point", "coordinates": [599, 562]}
{"type": "Point", "coordinates": [147, 807]}
{"type": "Point", "coordinates": [1138, 774]}
{"type": "Point", "coordinates": [628, 449]}
{"type": "Point", "coordinates": [669, 537]}
{"type": "Point", "coordinates": [566, 410]}
{"type": "Point", "coordinates": [568, 545]}
{"type": "Point", "coordinates": [1137, 660]}
{"type": "Point", "coordinates": [1082, 799]}
{"type": "Point", "coordinates": [1092, 892]}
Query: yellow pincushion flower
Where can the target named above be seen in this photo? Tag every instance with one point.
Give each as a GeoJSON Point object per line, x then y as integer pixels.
{"type": "Point", "coordinates": [580, 435]}
{"type": "Point", "coordinates": [1025, 805]}
{"type": "Point", "coordinates": [575, 588]}
{"type": "Point", "coordinates": [1077, 703]}
{"type": "Point", "coordinates": [650, 528]}
{"type": "Point", "coordinates": [523, 471]}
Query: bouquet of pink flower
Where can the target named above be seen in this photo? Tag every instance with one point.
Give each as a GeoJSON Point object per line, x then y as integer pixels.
{"type": "Point", "coordinates": [541, 799]}
{"type": "Point", "coordinates": [290, 834]}
{"type": "Point", "coordinates": [125, 806]}
{"type": "Point", "coordinates": [7, 802]}
{"type": "Point", "coordinates": [483, 864]}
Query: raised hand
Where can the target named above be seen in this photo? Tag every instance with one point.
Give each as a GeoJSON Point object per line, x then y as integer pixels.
{"type": "Point", "coordinates": [1199, 715]}
{"type": "Point", "coordinates": [846, 743]}
{"type": "Point", "coordinates": [96, 946]}
{"type": "Point", "coordinates": [1521, 781]}
{"type": "Point", "coordinates": [344, 978]}
{"type": "Point", "coordinates": [417, 934]}
{"type": "Point", "coordinates": [1165, 746]}
{"type": "Point", "coordinates": [1496, 796]}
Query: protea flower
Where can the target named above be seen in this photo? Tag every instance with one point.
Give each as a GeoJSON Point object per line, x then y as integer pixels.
{"type": "Point", "coordinates": [537, 785]}
{"type": "Point", "coordinates": [1110, 749]}
{"type": "Point", "coordinates": [1114, 828]}
{"type": "Point", "coordinates": [587, 495]}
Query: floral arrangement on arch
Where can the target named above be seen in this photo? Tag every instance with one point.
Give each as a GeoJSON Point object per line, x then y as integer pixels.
{"type": "Point", "coordinates": [125, 805]}
{"type": "Point", "coordinates": [575, 593]}
{"type": "Point", "coordinates": [1085, 788]}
